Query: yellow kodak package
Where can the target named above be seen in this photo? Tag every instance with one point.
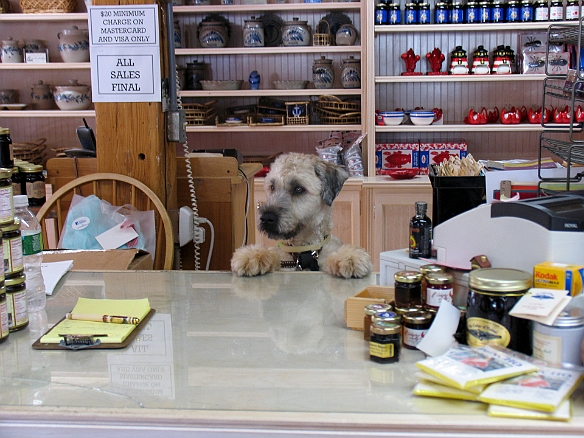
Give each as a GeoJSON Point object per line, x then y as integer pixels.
{"type": "Point", "coordinates": [559, 276]}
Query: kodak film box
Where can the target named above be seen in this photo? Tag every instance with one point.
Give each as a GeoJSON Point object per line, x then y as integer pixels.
{"type": "Point", "coordinates": [561, 276]}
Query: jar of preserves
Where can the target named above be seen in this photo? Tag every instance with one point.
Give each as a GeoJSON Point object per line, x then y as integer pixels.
{"type": "Point", "coordinates": [394, 13]}
{"type": "Point", "coordinates": [456, 13]}
{"type": "Point", "coordinates": [411, 13]}
{"type": "Point", "coordinates": [497, 11]}
{"type": "Point", "coordinates": [6, 149]}
{"type": "Point", "coordinates": [386, 316]}
{"type": "Point", "coordinates": [408, 289]}
{"type": "Point", "coordinates": [541, 11]}
{"type": "Point", "coordinates": [33, 184]}
{"type": "Point", "coordinates": [485, 12]}
{"type": "Point", "coordinates": [441, 13]}
{"type": "Point", "coordinates": [381, 13]}
{"type": "Point", "coordinates": [560, 344]}
{"type": "Point", "coordinates": [492, 294]}
{"type": "Point", "coordinates": [16, 184]}
{"type": "Point", "coordinates": [415, 326]}
{"type": "Point", "coordinates": [12, 249]}
{"type": "Point", "coordinates": [4, 329]}
{"type": "Point", "coordinates": [512, 13]}
{"type": "Point", "coordinates": [572, 10]}
{"type": "Point", "coordinates": [471, 12]}
{"type": "Point", "coordinates": [556, 10]}
{"type": "Point", "coordinates": [526, 11]}
{"type": "Point", "coordinates": [370, 310]}
{"type": "Point", "coordinates": [424, 13]}
{"type": "Point", "coordinates": [16, 303]}
{"type": "Point", "coordinates": [439, 287]}
{"type": "Point", "coordinates": [6, 197]}
{"type": "Point", "coordinates": [428, 269]}
{"type": "Point", "coordinates": [385, 343]}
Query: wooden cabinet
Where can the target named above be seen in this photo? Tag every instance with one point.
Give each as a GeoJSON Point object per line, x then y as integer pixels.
{"type": "Point", "coordinates": [389, 208]}
{"type": "Point", "coordinates": [347, 223]}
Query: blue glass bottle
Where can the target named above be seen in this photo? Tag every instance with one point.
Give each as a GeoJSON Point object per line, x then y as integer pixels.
{"type": "Point", "coordinates": [485, 13]}
{"type": "Point", "coordinates": [424, 13]}
{"type": "Point", "coordinates": [441, 13]}
{"type": "Point", "coordinates": [471, 12]}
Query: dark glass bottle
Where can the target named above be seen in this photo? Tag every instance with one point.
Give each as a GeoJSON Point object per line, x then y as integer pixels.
{"type": "Point", "coordinates": [420, 233]}
{"type": "Point", "coordinates": [6, 153]}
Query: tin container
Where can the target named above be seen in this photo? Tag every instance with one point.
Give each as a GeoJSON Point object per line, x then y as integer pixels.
{"type": "Point", "coordinates": [560, 344]}
{"type": "Point", "coordinates": [12, 249]}
{"type": "Point", "coordinates": [492, 294]}
{"type": "Point", "coordinates": [17, 303]}
{"type": "Point", "coordinates": [415, 326]}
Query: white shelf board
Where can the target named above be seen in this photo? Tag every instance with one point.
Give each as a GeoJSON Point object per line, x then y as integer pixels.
{"type": "Point", "coordinates": [49, 113]}
{"type": "Point", "coordinates": [75, 16]}
{"type": "Point", "coordinates": [295, 128]}
{"type": "Point", "coordinates": [459, 78]}
{"type": "Point", "coordinates": [271, 92]}
{"type": "Point", "coordinates": [328, 6]}
{"type": "Point", "coordinates": [489, 127]}
{"type": "Point", "coordinates": [47, 66]}
{"type": "Point", "coordinates": [472, 27]}
{"type": "Point", "coordinates": [226, 51]}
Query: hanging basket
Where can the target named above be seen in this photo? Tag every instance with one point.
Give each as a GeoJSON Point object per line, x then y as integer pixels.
{"type": "Point", "coordinates": [322, 36]}
{"type": "Point", "coordinates": [47, 6]}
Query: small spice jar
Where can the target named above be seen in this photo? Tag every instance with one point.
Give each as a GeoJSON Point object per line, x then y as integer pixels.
{"type": "Point", "coordinates": [408, 289]}
{"type": "Point", "coordinates": [12, 248]}
{"type": "Point", "coordinates": [17, 306]}
{"type": "Point", "coordinates": [6, 197]}
{"type": "Point", "coordinates": [415, 326]}
{"type": "Point", "coordinates": [4, 329]}
{"type": "Point", "coordinates": [492, 294]}
{"type": "Point", "coordinates": [560, 344]}
{"type": "Point", "coordinates": [33, 184]}
{"type": "Point", "coordinates": [385, 343]}
{"type": "Point", "coordinates": [541, 11]}
{"type": "Point", "coordinates": [439, 287]}
{"type": "Point", "coordinates": [370, 310]}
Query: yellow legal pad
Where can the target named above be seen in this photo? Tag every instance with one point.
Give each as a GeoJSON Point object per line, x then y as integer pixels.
{"type": "Point", "coordinates": [116, 333]}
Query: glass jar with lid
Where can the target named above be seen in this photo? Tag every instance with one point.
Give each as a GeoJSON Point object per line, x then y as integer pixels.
{"type": "Point", "coordinates": [6, 149]}
{"type": "Point", "coordinates": [556, 10]}
{"type": "Point", "coordinates": [381, 13]}
{"type": "Point", "coordinates": [385, 343]}
{"type": "Point", "coordinates": [411, 13]}
{"type": "Point", "coordinates": [439, 287]}
{"type": "Point", "coordinates": [498, 11]}
{"type": "Point", "coordinates": [492, 294]}
{"type": "Point", "coordinates": [424, 13]}
{"type": "Point", "coordinates": [541, 11]}
{"type": "Point", "coordinates": [415, 326]}
{"type": "Point", "coordinates": [512, 13]}
{"type": "Point", "coordinates": [456, 13]}
{"type": "Point", "coordinates": [394, 13]}
{"type": "Point", "coordinates": [33, 184]}
{"type": "Point", "coordinates": [408, 289]}
{"type": "Point", "coordinates": [441, 13]}
{"type": "Point", "coordinates": [526, 11]}
{"type": "Point", "coordinates": [370, 310]}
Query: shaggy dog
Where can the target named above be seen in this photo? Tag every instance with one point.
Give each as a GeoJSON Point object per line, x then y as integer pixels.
{"type": "Point", "coordinates": [300, 189]}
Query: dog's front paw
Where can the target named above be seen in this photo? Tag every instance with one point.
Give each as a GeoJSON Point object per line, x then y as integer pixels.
{"type": "Point", "coordinates": [252, 260]}
{"type": "Point", "coordinates": [349, 261]}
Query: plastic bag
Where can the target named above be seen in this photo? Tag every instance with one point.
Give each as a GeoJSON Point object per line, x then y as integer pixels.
{"type": "Point", "coordinates": [90, 216]}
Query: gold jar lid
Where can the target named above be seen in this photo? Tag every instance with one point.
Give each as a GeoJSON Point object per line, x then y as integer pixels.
{"type": "Point", "coordinates": [5, 173]}
{"type": "Point", "coordinates": [428, 269]}
{"type": "Point", "coordinates": [408, 276]}
{"type": "Point", "coordinates": [4, 131]}
{"type": "Point", "coordinates": [372, 309]}
{"type": "Point", "coordinates": [439, 278]}
{"type": "Point", "coordinates": [31, 168]}
{"type": "Point", "coordinates": [499, 280]}
{"type": "Point", "coordinates": [418, 317]}
{"type": "Point", "coordinates": [385, 328]}
{"type": "Point", "coordinates": [403, 310]}
{"type": "Point", "coordinates": [392, 317]}
{"type": "Point", "coordinates": [14, 281]}
{"type": "Point", "coordinates": [13, 226]}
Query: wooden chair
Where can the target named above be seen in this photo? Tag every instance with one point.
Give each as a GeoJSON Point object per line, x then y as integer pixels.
{"type": "Point", "coordinates": [117, 190]}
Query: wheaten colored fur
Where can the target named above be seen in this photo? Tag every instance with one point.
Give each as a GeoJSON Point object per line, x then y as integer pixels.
{"type": "Point", "coordinates": [300, 189]}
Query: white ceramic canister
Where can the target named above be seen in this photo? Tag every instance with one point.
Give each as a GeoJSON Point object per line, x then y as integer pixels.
{"type": "Point", "coordinates": [73, 96]}
{"type": "Point", "coordinates": [213, 34]}
{"type": "Point", "coordinates": [295, 33]}
{"type": "Point", "coordinates": [351, 72]}
{"type": "Point", "coordinates": [253, 33]}
{"type": "Point", "coordinates": [34, 46]}
{"type": "Point", "coordinates": [346, 35]}
{"type": "Point", "coordinates": [41, 96]}
{"type": "Point", "coordinates": [74, 44]}
{"type": "Point", "coordinates": [560, 343]}
{"type": "Point", "coordinates": [323, 74]}
{"type": "Point", "coordinates": [11, 51]}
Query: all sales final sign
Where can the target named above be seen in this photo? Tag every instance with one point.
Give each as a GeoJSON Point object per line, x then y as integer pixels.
{"type": "Point", "coordinates": [125, 53]}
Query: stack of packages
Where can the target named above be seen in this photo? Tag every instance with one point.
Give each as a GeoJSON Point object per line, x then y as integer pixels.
{"type": "Point", "coordinates": [532, 55]}
{"type": "Point", "coordinates": [343, 148]}
{"type": "Point", "coordinates": [513, 385]}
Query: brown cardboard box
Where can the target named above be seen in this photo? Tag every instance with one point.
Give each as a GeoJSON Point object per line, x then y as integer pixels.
{"type": "Point", "coordinates": [355, 305]}
{"type": "Point", "coordinates": [102, 260]}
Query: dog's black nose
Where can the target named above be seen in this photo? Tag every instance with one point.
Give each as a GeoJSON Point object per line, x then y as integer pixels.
{"type": "Point", "coordinates": [269, 218]}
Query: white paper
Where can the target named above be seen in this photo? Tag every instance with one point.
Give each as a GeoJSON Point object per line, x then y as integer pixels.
{"type": "Point", "coordinates": [440, 337]}
{"type": "Point", "coordinates": [53, 272]}
{"type": "Point", "coordinates": [116, 237]}
{"type": "Point", "coordinates": [541, 305]}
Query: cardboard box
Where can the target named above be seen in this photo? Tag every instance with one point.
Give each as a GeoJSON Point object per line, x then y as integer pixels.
{"type": "Point", "coordinates": [355, 305]}
{"type": "Point", "coordinates": [396, 156]}
{"type": "Point", "coordinates": [559, 276]}
{"type": "Point", "coordinates": [435, 153]}
{"type": "Point", "coordinates": [102, 260]}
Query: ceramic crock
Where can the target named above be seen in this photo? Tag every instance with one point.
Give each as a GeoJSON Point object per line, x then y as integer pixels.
{"type": "Point", "coordinates": [351, 72]}
{"type": "Point", "coordinates": [213, 34]}
{"type": "Point", "coordinates": [8, 96]}
{"type": "Point", "coordinates": [323, 74]}
{"type": "Point", "coordinates": [74, 44]}
{"type": "Point", "coordinates": [41, 96]}
{"type": "Point", "coordinates": [73, 96]}
{"type": "Point", "coordinates": [295, 33]}
{"type": "Point", "coordinates": [11, 51]}
{"type": "Point", "coordinates": [195, 74]}
{"type": "Point", "coordinates": [34, 46]}
{"type": "Point", "coordinates": [253, 33]}
{"type": "Point", "coordinates": [346, 35]}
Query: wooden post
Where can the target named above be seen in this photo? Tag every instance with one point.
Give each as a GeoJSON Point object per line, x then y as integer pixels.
{"type": "Point", "coordinates": [131, 138]}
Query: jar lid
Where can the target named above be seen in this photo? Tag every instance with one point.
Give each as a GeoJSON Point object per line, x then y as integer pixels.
{"type": "Point", "coordinates": [371, 309]}
{"type": "Point", "coordinates": [411, 5]}
{"type": "Point", "coordinates": [32, 168]}
{"type": "Point", "coordinates": [418, 317]}
{"type": "Point", "coordinates": [439, 278]}
{"type": "Point", "coordinates": [5, 173]}
{"type": "Point", "coordinates": [14, 226]}
{"type": "Point", "coordinates": [408, 276]}
{"type": "Point", "coordinates": [15, 281]}
{"type": "Point", "coordinates": [570, 317]}
{"type": "Point", "coordinates": [471, 3]}
{"type": "Point", "coordinates": [385, 328]}
{"type": "Point", "coordinates": [499, 280]}
{"type": "Point", "coordinates": [427, 269]}
{"type": "Point", "coordinates": [4, 131]}
{"type": "Point", "coordinates": [387, 317]}
{"type": "Point", "coordinates": [296, 20]}
{"type": "Point", "coordinates": [441, 5]}
{"type": "Point", "coordinates": [403, 310]}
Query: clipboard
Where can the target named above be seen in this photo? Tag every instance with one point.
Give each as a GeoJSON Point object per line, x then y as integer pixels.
{"type": "Point", "coordinates": [38, 345]}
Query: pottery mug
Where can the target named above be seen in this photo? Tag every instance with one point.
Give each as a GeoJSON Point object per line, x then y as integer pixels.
{"type": "Point", "coordinates": [346, 35]}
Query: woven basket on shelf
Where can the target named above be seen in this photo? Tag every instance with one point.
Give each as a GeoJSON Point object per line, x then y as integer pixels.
{"type": "Point", "coordinates": [33, 152]}
{"type": "Point", "coordinates": [47, 6]}
{"type": "Point", "coordinates": [322, 36]}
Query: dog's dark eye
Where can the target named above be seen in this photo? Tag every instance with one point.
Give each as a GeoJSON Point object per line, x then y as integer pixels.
{"type": "Point", "coordinates": [298, 190]}
{"type": "Point", "coordinates": [272, 188]}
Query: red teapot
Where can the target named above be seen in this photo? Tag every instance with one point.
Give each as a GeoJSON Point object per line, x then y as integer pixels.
{"type": "Point", "coordinates": [562, 116]}
{"type": "Point", "coordinates": [579, 114]}
{"type": "Point", "coordinates": [537, 115]}
{"type": "Point", "coordinates": [476, 118]}
{"type": "Point", "coordinates": [511, 116]}
{"type": "Point", "coordinates": [492, 114]}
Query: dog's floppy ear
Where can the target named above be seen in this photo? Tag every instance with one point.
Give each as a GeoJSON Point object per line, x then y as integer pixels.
{"type": "Point", "coordinates": [333, 177]}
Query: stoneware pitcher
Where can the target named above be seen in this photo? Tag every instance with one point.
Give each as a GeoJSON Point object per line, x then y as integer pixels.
{"type": "Point", "coordinates": [74, 44]}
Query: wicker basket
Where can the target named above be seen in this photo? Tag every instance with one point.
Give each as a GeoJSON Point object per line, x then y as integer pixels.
{"type": "Point", "coordinates": [33, 152]}
{"type": "Point", "coordinates": [322, 36]}
{"type": "Point", "coordinates": [333, 103]}
{"type": "Point", "coordinates": [47, 6]}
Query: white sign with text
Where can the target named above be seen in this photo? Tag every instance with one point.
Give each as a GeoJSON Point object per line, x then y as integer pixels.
{"type": "Point", "coordinates": [125, 53]}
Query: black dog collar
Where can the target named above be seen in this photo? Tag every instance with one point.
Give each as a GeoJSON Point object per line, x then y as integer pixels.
{"type": "Point", "coordinates": [305, 257]}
